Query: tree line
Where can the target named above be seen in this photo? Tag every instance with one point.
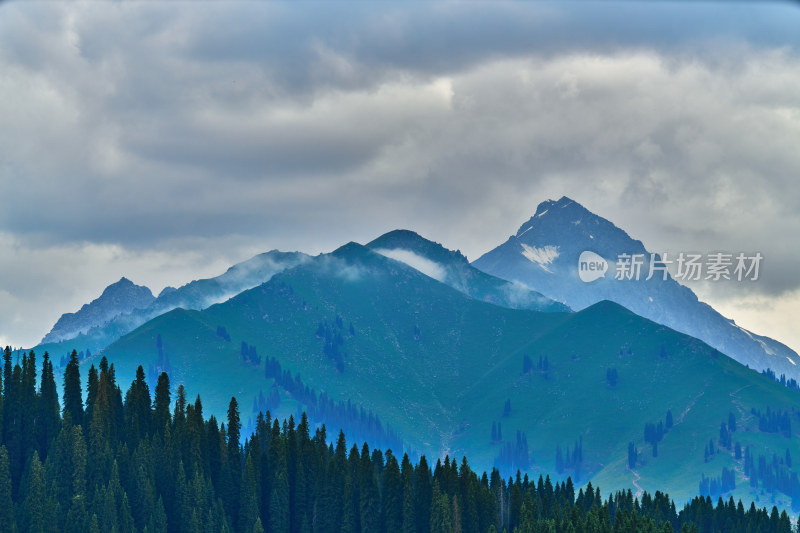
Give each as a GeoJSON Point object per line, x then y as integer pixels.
{"type": "Point", "coordinates": [134, 462]}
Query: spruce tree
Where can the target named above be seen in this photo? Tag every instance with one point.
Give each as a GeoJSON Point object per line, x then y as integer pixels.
{"type": "Point", "coordinates": [9, 403]}
{"type": "Point", "coordinates": [28, 406]}
{"type": "Point", "coordinates": [234, 428]}
{"type": "Point", "coordinates": [92, 384]}
{"type": "Point", "coordinates": [295, 505]}
{"type": "Point", "coordinates": [348, 507]}
{"type": "Point", "coordinates": [48, 420]}
{"type": "Point", "coordinates": [424, 495]}
{"type": "Point", "coordinates": [161, 403]}
{"type": "Point", "coordinates": [116, 408]}
{"type": "Point", "coordinates": [143, 494]}
{"type": "Point", "coordinates": [527, 522]}
{"type": "Point", "coordinates": [99, 439]}
{"type": "Point", "coordinates": [76, 520]}
{"type": "Point", "coordinates": [73, 399]}
{"type": "Point", "coordinates": [456, 515]}
{"type": "Point", "coordinates": [409, 516]}
{"type": "Point", "coordinates": [279, 503]}
{"type": "Point", "coordinates": [234, 470]}
{"type": "Point", "coordinates": [137, 409]}
{"type": "Point", "coordinates": [179, 415]}
{"type": "Point", "coordinates": [369, 507]}
{"type": "Point", "coordinates": [13, 431]}
{"type": "Point", "coordinates": [179, 509]}
{"type": "Point", "coordinates": [570, 492]}
{"type": "Point", "coordinates": [7, 369]}
{"type": "Point", "coordinates": [6, 503]}
{"type": "Point", "coordinates": [94, 525]}
{"type": "Point", "coordinates": [158, 520]}
{"type": "Point", "coordinates": [214, 446]}
{"type": "Point", "coordinates": [1, 407]}
{"type": "Point", "coordinates": [248, 512]}
{"type": "Point", "coordinates": [195, 448]}
{"type": "Point", "coordinates": [441, 511]}
{"type": "Point", "coordinates": [392, 496]}
{"type": "Point", "coordinates": [33, 506]}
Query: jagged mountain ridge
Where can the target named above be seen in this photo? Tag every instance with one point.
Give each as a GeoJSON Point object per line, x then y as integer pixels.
{"type": "Point", "coordinates": [543, 255]}
{"type": "Point", "coordinates": [197, 294]}
{"type": "Point", "coordinates": [117, 299]}
{"type": "Point", "coordinates": [454, 269]}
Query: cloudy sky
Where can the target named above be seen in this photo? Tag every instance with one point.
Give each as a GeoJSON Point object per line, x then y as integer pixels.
{"type": "Point", "coordinates": [167, 142]}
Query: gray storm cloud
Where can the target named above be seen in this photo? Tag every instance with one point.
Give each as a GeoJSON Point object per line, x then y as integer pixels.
{"type": "Point", "coordinates": [165, 133]}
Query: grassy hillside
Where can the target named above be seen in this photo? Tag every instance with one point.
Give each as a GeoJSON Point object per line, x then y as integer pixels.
{"type": "Point", "coordinates": [440, 368]}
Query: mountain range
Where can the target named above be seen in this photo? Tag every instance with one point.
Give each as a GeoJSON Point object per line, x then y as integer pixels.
{"type": "Point", "coordinates": [404, 343]}
{"type": "Point", "coordinates": [440, 370]}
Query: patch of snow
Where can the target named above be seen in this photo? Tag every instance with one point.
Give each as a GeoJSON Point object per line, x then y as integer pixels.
{"type": "Point", "coordinates": [542, 213]}
{"type": "Point", "coordinates": [591, 236]}
{"type": "Point", "coordinates": [541, 256]}
{"type": "Point", "coordinates": [762, 343]}
{"type": "Point", "coordinates": [795, 364]}
{"type": "Point", "coordinates": [576, 222]}
{"type": "Point", "coordinates": [650, 298]}
{"type": "Point", "coordinates": [526, 231]}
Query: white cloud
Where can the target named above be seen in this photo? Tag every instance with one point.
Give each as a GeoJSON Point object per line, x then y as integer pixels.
{"type": "Point", "coordinates": [430, 268]}
{"type": "Point", "coordinates": [134, 129]}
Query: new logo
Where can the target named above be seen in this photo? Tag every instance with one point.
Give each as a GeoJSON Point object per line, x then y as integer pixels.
{"type": "Point", "coordinates": [591, 266]}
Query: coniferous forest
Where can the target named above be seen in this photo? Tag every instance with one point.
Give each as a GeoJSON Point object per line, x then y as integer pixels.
{"type": "Point", "coordinates": [142, 462]}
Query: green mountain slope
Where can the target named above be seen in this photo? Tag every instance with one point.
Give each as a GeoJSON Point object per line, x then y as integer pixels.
{"type": "Point", "coordinates": [441, 368]}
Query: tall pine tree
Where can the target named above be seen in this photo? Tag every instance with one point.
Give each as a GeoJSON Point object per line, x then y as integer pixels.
{"type": "Point", "coordinates": [48, 420]}
{"type": "Point", "coordinates": [6, 502]}
{"type": "Point", "coordinates": [161, 403]}
{"type": "Point", "coordinates": [73, 399]}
